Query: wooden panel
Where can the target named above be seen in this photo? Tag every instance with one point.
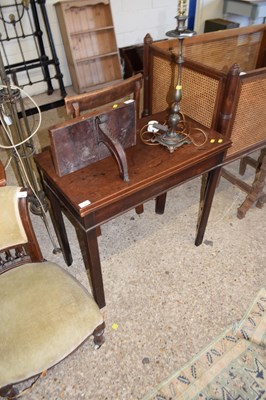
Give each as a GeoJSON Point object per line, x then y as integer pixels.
{"type": "Point", "coordinates": [87, 17]}
{"type": "Point", "coordinates": [75, 143]}
{"type": "Point", "coordinates": [92, 44]}
{"type": "Point", "coordinates": [97, 71]}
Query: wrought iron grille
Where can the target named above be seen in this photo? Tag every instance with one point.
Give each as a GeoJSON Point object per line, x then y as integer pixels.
{"type": "Point", "coordinates": [32, 58]}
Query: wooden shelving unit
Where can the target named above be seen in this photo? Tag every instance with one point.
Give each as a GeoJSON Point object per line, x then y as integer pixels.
{"type": "Point", "coordinates": [89, 39]}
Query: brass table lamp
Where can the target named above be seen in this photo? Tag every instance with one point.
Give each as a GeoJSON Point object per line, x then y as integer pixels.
{"type": "Point", "coordinates": [172, 137]}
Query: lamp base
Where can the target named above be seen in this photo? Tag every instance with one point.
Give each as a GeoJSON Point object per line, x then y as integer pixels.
{"type": "Point", "coordinates": [172, 142]}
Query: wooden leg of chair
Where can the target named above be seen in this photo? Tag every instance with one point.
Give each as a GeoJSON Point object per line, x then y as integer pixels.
{"type": "Point", "coordinates": [256, 195]}
{"type": "Point", "coordinates": [252, 162]}
{"type": "Point", "coordinates": [242, 210]}
{"type": "Point", "coordinates": [9, 392]}
{"type": "Point", "coordinates": [139, 209]}
{"type": "Point", "coordinates": [261, 201]}
{"type": "Point", "coordinates": [98, 231]}
{"type": "Point", "coordinates": [98, 335]}
{"type": "Point", "coordinates": [243, 165]}
{"type": "Point", "coordinates": [262, 181]}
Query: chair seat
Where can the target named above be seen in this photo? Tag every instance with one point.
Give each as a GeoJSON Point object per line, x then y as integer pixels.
{"type": "Point", "coordinates": [33, 341]}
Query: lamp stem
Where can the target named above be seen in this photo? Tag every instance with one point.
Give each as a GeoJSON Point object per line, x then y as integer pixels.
{"type": "Point", "coordinates": [173, 137]}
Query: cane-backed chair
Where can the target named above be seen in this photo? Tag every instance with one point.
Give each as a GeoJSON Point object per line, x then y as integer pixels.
{"type": "Point", "coordinates": [233, 105]}
{"type": "Point", "coordinates": [160, 77]}
{"type": "Point", "coordinates": [45, 312]}
{"type": "Point", "coordinates": [243, 119]}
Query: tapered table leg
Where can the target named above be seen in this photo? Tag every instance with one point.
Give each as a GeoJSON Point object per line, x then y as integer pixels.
{"type": "Point", "coordinates": [59, 226]}
{"type": "Point", "coordinates": [160, 203]}
{"type": "Point", "coordinates": [211, 183]}
{"type": "Point", "coordinates": [93, 265]}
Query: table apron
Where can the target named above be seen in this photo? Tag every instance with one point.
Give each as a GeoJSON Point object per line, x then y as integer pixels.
{"type": "Point", "coordinates": [124, 204]}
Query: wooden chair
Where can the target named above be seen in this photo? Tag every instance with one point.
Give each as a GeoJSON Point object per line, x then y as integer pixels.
{"type": "Point", "coordinates": [128, 88]}
{"type": "Point", "coordinates": [243, 119]}
{"type": "Point", "coordinates": [108, 94]}
{"type": "Point", "coordinates": [229, 100]}
{"type": "Point", "coordinates": [160, 75]}
{"type": "Point", "coordinates": [45, 313]}
{"type": "Point", "coordinates": [204, 69]}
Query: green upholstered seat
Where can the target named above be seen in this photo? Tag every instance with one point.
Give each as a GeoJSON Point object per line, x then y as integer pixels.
{"type": "Point", "coordinates": [45, 314]}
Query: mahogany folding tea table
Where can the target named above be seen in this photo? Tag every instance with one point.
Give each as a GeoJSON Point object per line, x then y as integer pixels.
{"type": "Point", "coordinates": [95, 194]}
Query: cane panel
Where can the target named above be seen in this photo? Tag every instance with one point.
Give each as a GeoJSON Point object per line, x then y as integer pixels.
{"type": "Point", "coordinates": [243, 50]}
{"type": "Point", "coordinates": [199, 91]}
{"type": "Point", "coordinates": [249, 128]}
{"type": "Point", "coordinates": [200, 94]}
{"type": "Point", "coordinates": [222, 53]}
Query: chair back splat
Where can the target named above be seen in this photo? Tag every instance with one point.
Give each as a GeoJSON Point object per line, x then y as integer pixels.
{"type": "Point", "coordinates": [109, 94]}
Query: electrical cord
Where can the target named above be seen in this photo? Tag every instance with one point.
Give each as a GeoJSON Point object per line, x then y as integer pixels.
{"type": "Point", "coordinates": [7, 122]}
{"type": "Point", "coordinates": [151, 139]}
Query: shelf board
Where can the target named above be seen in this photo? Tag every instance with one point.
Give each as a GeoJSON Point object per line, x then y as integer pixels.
{"type": "Point", "coordinates": [95, 57]}
{"type": "Point", "coordinates": [81, 33]}
{"type": "Point", "coordinates": [96, 86]}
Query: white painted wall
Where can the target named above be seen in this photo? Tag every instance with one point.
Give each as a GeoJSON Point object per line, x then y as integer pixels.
{"type": "Point", "coordinates": [134, 18]}
{"type": "Point", "coordinates": [209, 9]}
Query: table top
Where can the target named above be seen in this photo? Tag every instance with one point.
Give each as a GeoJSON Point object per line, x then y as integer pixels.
{"type": "Point", "coordinates": [101, 185]}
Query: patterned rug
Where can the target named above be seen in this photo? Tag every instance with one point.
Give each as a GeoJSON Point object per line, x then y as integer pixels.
{"type": "Point", "coordinates": [233, 367]}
